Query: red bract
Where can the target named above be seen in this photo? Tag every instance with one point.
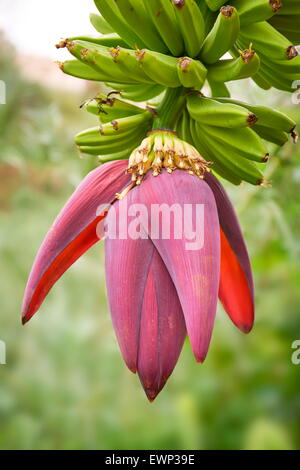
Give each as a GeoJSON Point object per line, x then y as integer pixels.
{"type": "Point", "coordinates": [73, 232]}
{"type": "Point", "coordinates": [236, 283]}
{"type": "Point", "coordinates": [157, 288]}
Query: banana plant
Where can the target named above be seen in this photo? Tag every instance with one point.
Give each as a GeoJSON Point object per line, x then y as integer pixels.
{"type": "Point", "coordinates": [162, 141]}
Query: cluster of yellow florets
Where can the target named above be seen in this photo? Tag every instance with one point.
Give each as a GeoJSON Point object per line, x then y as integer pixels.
{"type": "Point", "coordinates": [163, 149]}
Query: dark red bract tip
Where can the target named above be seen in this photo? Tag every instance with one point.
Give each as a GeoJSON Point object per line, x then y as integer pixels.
{"type": "Point", "coordinates": [151, 395]}
{"type": "Point", "coordinates": [200, 359]}
{"type": "Point", "coordinates": [246, 328]}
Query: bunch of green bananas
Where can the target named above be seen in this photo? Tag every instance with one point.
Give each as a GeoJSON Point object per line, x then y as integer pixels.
{"type": "Point", "coordinates": [159, 55]}
{"type": "Point", "coordinates": [122, 125]}
{"type": "Point", "coordinates": [287, 21]}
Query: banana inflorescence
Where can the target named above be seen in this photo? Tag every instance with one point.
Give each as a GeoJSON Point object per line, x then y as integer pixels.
{"type": "Point", "coordinates": [154, 59]}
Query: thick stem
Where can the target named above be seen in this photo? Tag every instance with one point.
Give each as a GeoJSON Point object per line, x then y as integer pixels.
{"type": "Point", "coordinates": [170, 109]}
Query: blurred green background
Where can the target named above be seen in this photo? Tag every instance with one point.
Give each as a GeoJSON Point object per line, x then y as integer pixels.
{"type": "Point", "coordinates": [64, 385]}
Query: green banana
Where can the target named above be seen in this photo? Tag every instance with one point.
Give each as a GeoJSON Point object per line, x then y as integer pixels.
{"type": "Point", "coordinates": [276, 82]}
{"type": "Point", "coordinates": [290, 7]}
{"type": "Point", "coordinates": [275, 136]}
{"type": "Point", "coordinates": [255, 11]}
{"type": "Point", "coordinates": [115, 144]}
{"type": "Point", "coordinates": [286, 73]}
{"type": "Point", "coordinates": [103, 60]}
{"type": "Point", "coordinates": [279, 69]}
{"type": "Point", "coordinates": [93, 138]}
{"type": "Point", "coordinates": [293, 36]}
{"type": "Point", "coordinates": [191, 24]}
{"type": "Point", "coordinates": [160, 68]}
{"type": "Point", "coordinates": [261, 82]}
{"type": "Point", "coordinates": [288, 25]}
{"type": "Point", "coordinates": [209, 17]}
{"type": "Point", "coordinates": [268, 41]}
{"type": "Point", "coordinates": [178, 127]}
{"type": "Point", "coordinates": [191, 73]}
{"type": "Point", "coordinates": [214, 5]}
{"type": "Point", "coordinates": [125, 146]}
{"type": "Point", "coordinates": [203, 145]}
{"type": "Point", "coordinates": [116, 128]}
{"type": "Point", "coordinates": [77, 69]}
{"type": "Point", "coordinates": [277, 78]}
{"type": "Point", "coordinates": [222, 36]}
{"type": "Point", "coordinates": [184, 129]}
{"type": "Point", "coordinates": [108, 108]}
{"type": "Point", "coordinates": [214, 113]}
{"type": "Point", "coordinates": [243, 141]}
{"type": "Point", "coordinates": [218, 89]}
{"type": "Point", "coordinates": [108, 40]}
{"type": "Point", "coordinates": [111, 14]}
{"type": "Point", "coordinates": [135, 14]}
{"type": "Point", "coordinates": [264, 78]}
{"type": "Point", "coordinates": [106, 156]}
{"type": "Point", "coordinates": [110, 144]}
{"type": "Point", "coordinates": [100, 24]}
{"type": "Point", "coordinates": [290, 21]}
{"type": "Point", "coordinates": [286, 67]}
{"type": "Point", "coordinates": [163, 17]}
{"type": "Point", "coordinates": [99, 59]}
{"type": "Point", "coordinates": [126, 60]}
{"type": "Point", "coordinates": [235, 69]}
{"type": "Point", "coordinates": [218, 127]}
{"type": "Point", "coordinates": [231, 157]}
{"type": "Point", "coordinates": [267, 117]}
{"type": "Point", "coordinates": [137, 93]}
{"type": "Point", "coordinates": [128, 123]}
